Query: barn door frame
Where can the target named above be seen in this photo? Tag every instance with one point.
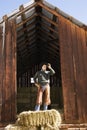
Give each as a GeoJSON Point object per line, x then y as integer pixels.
{"type": "Point", "coordinates": [8, 75]}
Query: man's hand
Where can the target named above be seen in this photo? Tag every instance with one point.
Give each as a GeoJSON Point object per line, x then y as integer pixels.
{"type": "Point", "coordinates": [37, 85]}
{"type": "Point", "coordinates": [49, 65]}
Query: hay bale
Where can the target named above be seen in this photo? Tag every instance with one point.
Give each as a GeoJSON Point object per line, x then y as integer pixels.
{"type": "Point", "coordinates": [18, 127]}
{"type": "Point", "coordinates": [48, 118]}
{"type": "Point", "coordinates": [15, 127]}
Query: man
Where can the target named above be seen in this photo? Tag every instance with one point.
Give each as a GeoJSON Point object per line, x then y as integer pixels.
{"type": "Point", "coordinates": [42, 81]}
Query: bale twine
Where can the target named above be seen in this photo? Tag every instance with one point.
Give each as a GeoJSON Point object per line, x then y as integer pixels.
{"type": "Point", "coordinates": [49, 119]}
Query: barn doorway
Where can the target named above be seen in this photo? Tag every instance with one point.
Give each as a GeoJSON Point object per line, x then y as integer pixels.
{"type": "Point", "coordinates": [37, 42]}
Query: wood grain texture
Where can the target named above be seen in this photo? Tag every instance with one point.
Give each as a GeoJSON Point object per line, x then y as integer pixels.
{"type": "Point", "coordinates": [9, 74]}
{"type": "Point", "coordinates": [73, 53]}
{"type": "Point", "coordinates": [1, 75]}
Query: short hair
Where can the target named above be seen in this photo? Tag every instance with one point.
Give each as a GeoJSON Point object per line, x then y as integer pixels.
{"type": "Point", "coordinates": [43, 63]}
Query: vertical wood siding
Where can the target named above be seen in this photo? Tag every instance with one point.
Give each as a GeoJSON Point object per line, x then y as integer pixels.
{"type": "Point", "coordinates": [0, 72]}
{"type": "Point", "coordinates": [9, 74]}
{"type": "Point", "coordinates": [73, 52]}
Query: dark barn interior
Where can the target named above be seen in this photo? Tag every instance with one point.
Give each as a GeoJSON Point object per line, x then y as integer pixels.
{"type": "Point", "coordinates": [39, 32]}
{"type": "Point", "coordinates": [37, 42]}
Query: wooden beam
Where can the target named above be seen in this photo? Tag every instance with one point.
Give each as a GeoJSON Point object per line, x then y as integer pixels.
{"type": "Point", "coordinates": [5, 18]}
{"type": "Point", "coordinates": [32, 41]}
{"type": "Point", "coordinates": [47, 33]}
{"type": "Point", "coordinates": [27, 26]}
{"type": "Point", "coordinates": [52, 11]}
{"type": "Point", "coordinates": [26, 9]}
{"type": "Point", "coordinates": [19, 12]}
{"type": "Point", "coordinates": [28, 55]}
{"type": "Point", "coordinates": [29, 46]}
{"type": "Point", "coordinates": [53, 46]}
{"type": "Point", "coordinates": [45, 25]}
{"type": "Point", "coordinates": [43, 37]}
{"type": "Point", "coordinates": [49, 40]}
{"type": "Point", "coordinates": [22, 44]}
{"type": "Point", "coordinates": [47, 19]}
{"type": "Point", "coordinates": [47, 49]}
{"type": "Point", "coordinates": [23, 17]}
{"type": "Point", "coordinates": [24, 51]}
{"type": "Point", "coordinates": [28, 32]}
{"type": "Point", "coordinates": [38, 9]}
{"type": "Point", "coordinates": [19, 40]}
{"type": "Point", "coordinates": [28, 19]}
{"type": "Point", "coordinates": [50, 48]}
{"type": "Point", "coordinates": [52, 26]}
{"type": "Point", "coordinates": [53, 42]}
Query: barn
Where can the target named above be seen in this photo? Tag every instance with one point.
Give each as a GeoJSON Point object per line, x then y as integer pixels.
{"type": "Point", "coordinates": [34, 33]}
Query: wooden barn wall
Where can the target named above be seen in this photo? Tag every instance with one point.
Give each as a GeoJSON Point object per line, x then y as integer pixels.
{"type": "Point", "coordinates": [73, 54]}
{"type": "Point", "coordinates": [8, 72]}
{"type": "Point", "coordinates": [0, 71]}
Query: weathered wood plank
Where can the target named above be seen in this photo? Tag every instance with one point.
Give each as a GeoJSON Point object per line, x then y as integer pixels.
{"type": "Point", "coordinates": [71, 76]}
{"type": "Point", "coordinates": [9, 76]}
{"type": "Point", "coordinates": [3, 71]}
{"type": "Point", "coordinates": [75, 63]}
{"type": "Point", "coordinates": [67, 70]}
{"type": "Point", "coordinates": [1, 42]}
{"type": "Point", "coordinates": [83, 73]}
{"type": "Point", "coordinates": [14, 72]}
{"type": "Point", "coordinates": [63, 66]}
{"type": "Point", "coordinates": [73, 52]}
{"type": "Point", "coordinates": [84, 46]}
{"type": "Point", "coordinates": [80, 77]}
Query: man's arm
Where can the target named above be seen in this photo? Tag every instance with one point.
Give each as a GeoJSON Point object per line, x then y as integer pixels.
{"type": "Point", "coordinates": [36, 80]}
{"type": "Point", "coordinates": [51, 70]}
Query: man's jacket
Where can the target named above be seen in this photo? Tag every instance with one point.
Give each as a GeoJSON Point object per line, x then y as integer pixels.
{"type": "Point", "coordinates": [43, 77]}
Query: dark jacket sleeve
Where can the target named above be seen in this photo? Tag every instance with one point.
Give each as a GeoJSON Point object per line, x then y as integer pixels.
{"type": "Point", "coordinates": [36, 77]}
{"type": "Point", "coordinates": [51, 72]}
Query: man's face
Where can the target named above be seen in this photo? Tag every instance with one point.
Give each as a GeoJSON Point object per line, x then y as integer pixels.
{"type": "Point", "coordinates": [44, 67]}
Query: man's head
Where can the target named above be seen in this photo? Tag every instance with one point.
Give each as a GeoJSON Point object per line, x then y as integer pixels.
{"type": "Point", "coordinates": [44, 67]}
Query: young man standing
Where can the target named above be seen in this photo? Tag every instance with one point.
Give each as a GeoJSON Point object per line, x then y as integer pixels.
{"type": "Point", "coordinates": [42, 81]}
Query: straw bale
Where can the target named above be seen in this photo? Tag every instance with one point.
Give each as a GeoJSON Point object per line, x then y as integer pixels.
{"type": "Point", "coordinates": [48, 118]}
{"type": "Point", "coordinates": [15, 127]}
{"type": "Point", "coordinates": [18, 127]}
